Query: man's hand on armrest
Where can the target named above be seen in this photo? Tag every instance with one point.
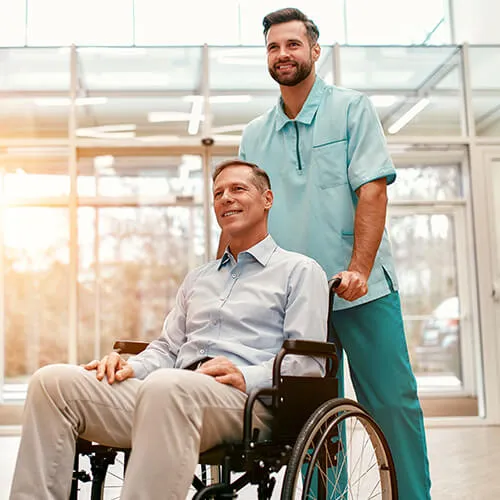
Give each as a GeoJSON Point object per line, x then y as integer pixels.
{"type": "Point", "coordinates": [224, 371]}
{"type": "Point", "coordinates": [113, 366]}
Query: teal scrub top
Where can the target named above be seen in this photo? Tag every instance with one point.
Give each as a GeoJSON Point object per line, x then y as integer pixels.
{"type": "Point", "coordinates": [315, 163]}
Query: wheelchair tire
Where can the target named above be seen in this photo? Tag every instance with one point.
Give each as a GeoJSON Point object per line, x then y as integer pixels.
{"type": "Point", "coordinates": [340, 453]}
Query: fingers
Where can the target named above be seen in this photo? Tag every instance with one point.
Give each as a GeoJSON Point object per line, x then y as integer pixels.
{"type": "Point", "coordinates": [353, 285]}
{"type": "Point", "coordinates": [124, 373]}
{"type": "Point", "coordinates": [237, 380]}
{"type": "Point", "coordinates": [101, 368]}
{"type": "Point", "coordinates": [108, 366]}
{"type": "Point", "coordinates": [113, 364]}
{"type": "Point", "coordinates": [224, 371]}
{"type": "Point", "coordinates": [217, 367]}
{"type": "Point", "coordinates": [91, 365]}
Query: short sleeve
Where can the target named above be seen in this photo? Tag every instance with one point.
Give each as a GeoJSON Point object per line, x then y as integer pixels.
{"type": "Point", "coordinates": [368, 158]}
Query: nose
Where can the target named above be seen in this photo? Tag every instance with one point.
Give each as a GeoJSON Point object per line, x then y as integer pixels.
{"type": "Point", "coordinates": [226, 197]}
{"type": "Point", "coordinates": [283, 52]}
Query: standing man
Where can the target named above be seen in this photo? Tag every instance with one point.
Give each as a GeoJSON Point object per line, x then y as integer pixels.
{"type": "Point", "coordinates": [325, 152]}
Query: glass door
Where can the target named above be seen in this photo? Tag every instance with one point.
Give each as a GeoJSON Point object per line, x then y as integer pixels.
{"type": "Point", "coordinates": [431, 236]}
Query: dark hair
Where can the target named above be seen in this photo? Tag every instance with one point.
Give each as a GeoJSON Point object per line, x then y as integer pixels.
{"type": "Point", "coordinates": [260, 178]}
{"type": "Point", "coordinates": [291, 14]}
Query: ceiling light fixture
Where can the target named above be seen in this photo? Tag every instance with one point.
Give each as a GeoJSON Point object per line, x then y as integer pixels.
{"type": "Point", "coordinates": [120, 131]}
{"type": "Point", "coordinates": [66, 101]}
{"type": "Point", "coordinates": [408, 116]}
{"type": "Point", "coordinates": [196, 117]}
{"type": "Point", "coordinates": [168, 116]}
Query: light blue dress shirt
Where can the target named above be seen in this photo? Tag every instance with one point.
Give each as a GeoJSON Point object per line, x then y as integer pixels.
{"type": "Point", "coordinates": [244, 311]}
{"type": "Point", "coordinates": [316, 163]}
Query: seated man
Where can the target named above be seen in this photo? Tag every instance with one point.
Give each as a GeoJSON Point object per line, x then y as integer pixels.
{"type": "Point", "coordinates": [186, 392]}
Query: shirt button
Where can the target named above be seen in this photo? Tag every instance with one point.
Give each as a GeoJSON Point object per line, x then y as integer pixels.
{"type": "Point", "coordinates": [202, 351]}
{"type": "Point", "coordinates": [214, 322]}
{"type": "Point", "coordinates": [234, 275]}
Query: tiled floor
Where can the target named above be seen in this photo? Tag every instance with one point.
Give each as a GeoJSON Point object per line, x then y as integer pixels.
{"type": "Point", "coordinates": [464, 464]}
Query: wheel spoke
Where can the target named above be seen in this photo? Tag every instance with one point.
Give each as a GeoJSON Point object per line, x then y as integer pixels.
{"type": "Point", "coordinates": [345, 453]}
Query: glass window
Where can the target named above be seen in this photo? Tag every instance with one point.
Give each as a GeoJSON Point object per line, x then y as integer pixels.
{"type": "Point", "coordinates": [416, 90]}
{"type": "Point", "coordinates": [144, 252]}
{"type": "Point", "coordinates": [386, 21]}
{"type": "Point", "coordinates": [485, 90]}
{"type": "Point", "coordinates": [93, 22]}
{"type": "Point", "coordinates": [33, 173]}
{"type": "Point", "coordinates": [159, 178]}
{"type": "Point", "coordinates": [190, 23]}
{"type": "Point", "coordinates": [424, 248]}
{"type": "Point", "coordinates": [12, 23]}
{"type": "Point", "coordinates": [36, 276]}
{"type": "Point", "coordinates": [433, 183]}
{"type": "Point", "coordinates": [36, 69]}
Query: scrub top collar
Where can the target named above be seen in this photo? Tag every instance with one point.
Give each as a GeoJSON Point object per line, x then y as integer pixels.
{"type": "Point", "coordinates": [261, 252]}
{"type": "Point", "coordinates": [308, 110]}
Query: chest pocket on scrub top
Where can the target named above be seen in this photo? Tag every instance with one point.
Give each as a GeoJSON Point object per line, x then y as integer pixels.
{"type": "Point", "coordinates": [329, 162]}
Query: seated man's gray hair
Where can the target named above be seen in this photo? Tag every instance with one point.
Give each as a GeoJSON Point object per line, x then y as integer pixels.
{"type": "Point", "coordinates": [260, 177]}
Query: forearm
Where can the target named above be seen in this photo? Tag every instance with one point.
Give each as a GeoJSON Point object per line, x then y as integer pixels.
{"type": "Point", "coordinates": [156, 356]}
{"type": "Point", "coordinates": [261, 376]}
{"type": "Point", "coordinates": [369, 223]}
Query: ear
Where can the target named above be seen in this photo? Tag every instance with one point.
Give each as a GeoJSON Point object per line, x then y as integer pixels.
{"type": "Point", "coordinates": [316, 52]}
{"type": "Point", "coordinates": [269, 197]}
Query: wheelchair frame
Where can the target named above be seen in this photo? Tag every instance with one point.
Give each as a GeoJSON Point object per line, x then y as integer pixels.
{"type": "Point", "coordinates": [295, 403]}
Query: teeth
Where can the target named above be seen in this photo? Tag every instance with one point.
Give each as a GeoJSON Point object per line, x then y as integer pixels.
{"type": "Point", "coordinates": [229, 213]}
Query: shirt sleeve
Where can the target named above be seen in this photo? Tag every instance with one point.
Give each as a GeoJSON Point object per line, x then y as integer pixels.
{"type": "Point", "coordinates": [162, 352]}
{"type": "Point", "coordinates": [305, 319]}
{"type": "Point", "coordinates": [367, 156]}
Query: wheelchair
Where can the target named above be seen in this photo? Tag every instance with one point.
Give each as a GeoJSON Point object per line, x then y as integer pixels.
{"type": "Point", "coordinates": [330, 447]}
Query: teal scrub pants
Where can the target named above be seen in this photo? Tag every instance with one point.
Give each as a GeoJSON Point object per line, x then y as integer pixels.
{"type": "Point", "coordinates": [372, 335]}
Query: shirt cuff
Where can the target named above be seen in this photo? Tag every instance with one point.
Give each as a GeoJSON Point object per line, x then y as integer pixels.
{"type": "Point", "coordinates": [388, 172]}
{"type": "Point", "coordinates": [140, 371]}
{"type": "Point", "coordinates": [256, 377]}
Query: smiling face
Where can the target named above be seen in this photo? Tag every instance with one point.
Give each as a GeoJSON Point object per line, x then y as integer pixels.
{"type": "Point", "coordinates": [241, 207]}
{"type": "Point", "coordinates": [290, 56]}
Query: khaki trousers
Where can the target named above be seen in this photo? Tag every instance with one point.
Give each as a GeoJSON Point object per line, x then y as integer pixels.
{"type": "Point", "coordinates": [167, 419]}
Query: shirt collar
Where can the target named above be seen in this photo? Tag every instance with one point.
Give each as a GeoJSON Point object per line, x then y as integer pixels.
{"type": "Point", "coordinates": [261, 252]}
{"type": "Point", "coordinates": [308, 110]}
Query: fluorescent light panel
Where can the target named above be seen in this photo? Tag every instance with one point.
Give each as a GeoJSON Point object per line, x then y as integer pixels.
{"type": "Point", "coordinates": [168, 116]}
{"type": "Point", "coordinates": [196, 116]}
{"type": "Point", "coordinates": [119, 131]}
{"type": "Point", "coordinates": [66, 101]}
{"type": "Point", "coordinates": [408, 116]}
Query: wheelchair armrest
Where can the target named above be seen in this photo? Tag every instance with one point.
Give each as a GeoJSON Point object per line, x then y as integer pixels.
{"type": "Point", "coordinates": [310, 348]}
{"type": "Point", "coordinates": [306, 348]}
{"type": "Point", "coordinates": [129, 346]}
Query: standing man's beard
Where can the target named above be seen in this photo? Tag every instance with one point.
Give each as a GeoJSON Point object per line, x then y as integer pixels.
{"type": "Point", "coordinates": [303, 70]}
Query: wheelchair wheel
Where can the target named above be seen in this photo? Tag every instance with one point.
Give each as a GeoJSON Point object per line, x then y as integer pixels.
{"type": "Point", "coordinates": [340, 453]}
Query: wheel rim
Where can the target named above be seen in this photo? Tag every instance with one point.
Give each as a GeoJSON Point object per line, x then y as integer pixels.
{"type": "Point", "coordinates": [344, 458]}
